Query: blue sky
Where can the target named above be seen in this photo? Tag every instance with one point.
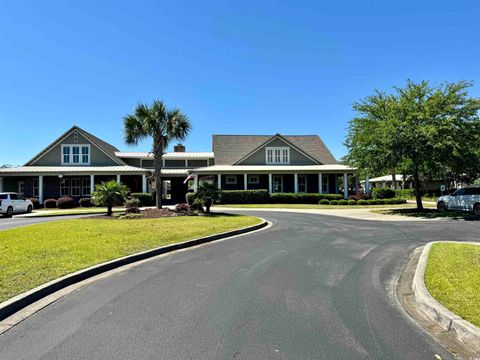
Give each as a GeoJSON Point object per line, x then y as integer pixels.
{"type": "Point", "coordinates": [244, 67]}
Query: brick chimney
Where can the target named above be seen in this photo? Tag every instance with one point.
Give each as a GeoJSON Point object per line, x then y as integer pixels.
{"type": "Point", "coordinates": [179, 148]}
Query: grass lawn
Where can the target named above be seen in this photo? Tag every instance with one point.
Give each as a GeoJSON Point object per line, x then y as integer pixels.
{"type": "Point", "coordinates": [75, 211]}
{"type": "Point", "coordinates": [453, 278]}
{"type": "Point", "coordinates": [33, 255]}
{"type": "Point", "coordinates": [428, 213]}
{"type": "Point", "coordinates": [312, 206]}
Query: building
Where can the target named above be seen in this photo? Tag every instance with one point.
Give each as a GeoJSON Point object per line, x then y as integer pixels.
{"type": "Point", "coordinates": [76, 161]}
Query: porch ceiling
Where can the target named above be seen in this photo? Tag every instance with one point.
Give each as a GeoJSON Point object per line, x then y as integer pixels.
{"type": "Point", "coordinates": [274, 169]}
{"type": "Point", "coordinates": [72, 170]}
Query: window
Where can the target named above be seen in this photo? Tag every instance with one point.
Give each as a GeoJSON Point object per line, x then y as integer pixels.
{"type": "Point", "coordinates": [302, 183]}
{"type": "Point", "coordinates": [325, 184]}
{"type": "Point", "coordinates": [253, 179]}
{"type": "Point", "coordinates": [14, 197]}
{"type": "Point", "coordinates": [231, 179]}
{"type": "Point", "coordinates": [35, 187]}
{"type": "Point", "coordinates": [76, 154]}
{"type": "Point", "coordinates": [278, 155]}
{"type": "Point", "coordinates": [21, 187]}
{"type": "Point", "coordinates": [64, 187]}
{"type": "Point", "coordinates": [86, 186]}
{"type": "Point", "coordinates": [75, 187]}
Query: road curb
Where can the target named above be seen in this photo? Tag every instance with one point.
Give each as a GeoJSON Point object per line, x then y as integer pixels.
{"type": "Point", "coordinates": [19, 302]}
{"type": "Point", "coordinates": [464, 331]}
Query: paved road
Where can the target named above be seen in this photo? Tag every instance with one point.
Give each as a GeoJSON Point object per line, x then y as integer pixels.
{"type": "Point", "coordinates": [10, 223]}
{"type": "Point", "coordinates": [310, 287]}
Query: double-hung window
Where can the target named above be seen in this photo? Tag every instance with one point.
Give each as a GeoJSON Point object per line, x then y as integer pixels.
{"type": "Point", "coordinates": [86, 186]}
{"type": "Point", "coordinates": [64, 187]}
{"type": "Point", "coordinates": [75, 154]}
{"type": "Point", "coordinates": [302, 183]}
{"type": "Point", "coordinates": [278, 155]}
{"type": "Point", "coordinates": [75, 187]}
{"type": "Point", "coordinates": [35, 187]}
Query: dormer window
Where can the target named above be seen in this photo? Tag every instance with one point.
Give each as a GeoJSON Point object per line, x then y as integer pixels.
{"type": "Point", "coordinates": [75, 154]}
{"type": "Point", "coordinates": [277, 155]}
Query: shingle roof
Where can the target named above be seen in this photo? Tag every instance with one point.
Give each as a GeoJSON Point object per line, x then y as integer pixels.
{"type": "Point", "coordinates": [229, 149]}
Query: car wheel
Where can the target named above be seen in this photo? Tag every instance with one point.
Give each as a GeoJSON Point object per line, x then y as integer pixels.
{"type": "Point", "coordinates": [29, 209]}
{"type": "Point", "coordinates": [442, 207]}
{"type": "Point", "coordinates": [476, 209]}
{"type": "Point", "coordinates": [9, 212]}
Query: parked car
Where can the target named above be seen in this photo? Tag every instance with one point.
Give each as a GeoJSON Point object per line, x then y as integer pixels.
{"type": "Point", "coordinates": [466, 199]}
{"type": "Point", "coordinates": [12, 203]}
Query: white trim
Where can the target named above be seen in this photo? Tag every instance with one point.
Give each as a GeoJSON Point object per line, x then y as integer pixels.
{"type": "Point", "coordinates": [144, 183]}
{"type": "Point", "coordinates": [92, 183]}
{"type": "Point", "coordinates": [320, 183]}
{"type": "Point", "coordinates": [295, 183]}
{"type": "Point", "coordinates": [270, 183]}
{"type": "Point", "coordinates": [195, 183]}
{"type": "Point", "coordinates": [281, 155]}
{"type": "Point", "coordinates": [80, 156]}
{"type": "Point", "coordinates": [219, 181]}
{"type": "Point", "coordinates": [118, 179]}
{"type": "Point", "coordinates": [345, 186]}
{"type": "Point", "coordinates": [40, 189]}
{"type": "Point", "coordinates": [245, 182]}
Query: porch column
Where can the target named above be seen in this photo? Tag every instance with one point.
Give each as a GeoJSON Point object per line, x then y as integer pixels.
{"type": "Point", "coordinates": [1, 184]}
{"type": "Point", "coordinates": [40, 189]}
{"type": "Point", "coordinates": [118, 179]}
{"type": "Point", "coordinates": [270, 183]}
{"type": "Point", "coordinates": [144, 183]}
{"type": "Point", "coordinates": [367, 185]}
{"type": "Point", "coordinates": [92, 184]}
{"type": "Point", "coordinates": [245, 179]}
{"type": "Point", "coordinates": [345, 186]}
{"type": "Point", "coordinates": [357, 184]}
{"type": "Point", "coordinates": [195, 183]}
{"type": "Point", "coordinates": [219, 181]}
{"type": "Point", "coordinates": [320, 183]}
{"type": "Point", "coordinates": [295, 183]}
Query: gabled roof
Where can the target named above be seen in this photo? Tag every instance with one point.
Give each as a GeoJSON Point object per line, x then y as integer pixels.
{"type": "Point", "coordinates": [229, 149]}
{"type": "Point", "coordinates": [107, 148]}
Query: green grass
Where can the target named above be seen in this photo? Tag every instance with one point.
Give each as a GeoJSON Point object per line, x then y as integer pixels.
{"type": "Point", "coordinates": [453, 278]}
{"type": "Point", "coordinates": [428, 213]}
{"type": "Point", "coordinates": [33, 255]}
{"type": "Point", "coordinates": [312, 206]}
{"type": "Point", "coordinates": [77, 211]}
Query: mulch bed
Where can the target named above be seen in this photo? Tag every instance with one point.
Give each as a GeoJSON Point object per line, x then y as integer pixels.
{"type": "Point", "coordinates": [147, 214]}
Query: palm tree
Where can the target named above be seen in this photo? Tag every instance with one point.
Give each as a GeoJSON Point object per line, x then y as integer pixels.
{"type": "Point", "coordinates": [109, 194]}
{"type": "Point", "coordinates": [163, 126]}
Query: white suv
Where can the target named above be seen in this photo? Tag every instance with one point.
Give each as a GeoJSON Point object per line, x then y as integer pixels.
{"type": "Point", "coordinates": [466, 199]}
{"type": "Point", "coordinates": [11, 203]}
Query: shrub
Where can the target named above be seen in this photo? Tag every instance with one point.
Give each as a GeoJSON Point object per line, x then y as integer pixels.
{"type": "Point", "coordinates": [35, 203]}
{"type": "Point", "coordinates": [131, 216]}
{"type": "Point", "coordinates": [65, 202]}
{"type": "Point", "coordinates": [243, 197]}
{"type": "Point", "coordinates": [372, 202]}
{"type": "Point", "coordinates": [50, 203]}
{"type": "Point", "coordinates": [301, 198]}
{"type": "Point", "coordinates": [342, 202]}
{"type": "Point", "coordinates": [383, 193]}
{"type": "Point", "coordinates": [381, 201]}
{"type": "Point", "coordinates": [85, 202]}
{"type": "Point", "coordinates": [208, 194]}
{"type": "Point", "coordinates": [333, 202]}
{"type": "Point", "coordinates": [398, 201]}
{"type": "Point", "coordinates": [362, 202]}
{"type": "Point", "coordinates": [352, 202]}
{"type": "Point", "coordinates": [109, 194]}
{"type": "Point", "coordinates": [146, 199]}
{"type": "Point", "coordinates": [405, 193]}
{"type": "Point", "coordinates": [132, 206]}
{"type": "Point", "coordinates": [324, 202]}
{"type": "Point", "coordinates": [190, 198]}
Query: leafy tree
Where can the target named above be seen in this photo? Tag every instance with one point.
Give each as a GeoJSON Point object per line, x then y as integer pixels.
{"type": "Point", "coordinates": [109, 194]}
{"type": "Point", "coordinates": [163, 126]}
{"type": "Point", "coordinates": [207, 194]}
{"type": "Point", "coordinates": [431, 132]}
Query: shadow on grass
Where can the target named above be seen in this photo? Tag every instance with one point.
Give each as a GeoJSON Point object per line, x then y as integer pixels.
{"type": "Point", "coordinates": [431, 214]}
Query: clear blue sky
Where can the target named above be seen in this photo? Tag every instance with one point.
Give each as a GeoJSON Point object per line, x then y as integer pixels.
{"type": "Point", "coordinates": [245, 67]}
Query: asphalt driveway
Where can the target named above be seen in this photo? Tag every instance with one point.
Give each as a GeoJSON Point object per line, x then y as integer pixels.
{"type": "Point", "coordinates": [310, 287]}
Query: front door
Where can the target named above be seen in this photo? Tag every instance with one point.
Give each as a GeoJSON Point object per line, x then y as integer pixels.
{"type": "Point", "coordinates": [277, 183]}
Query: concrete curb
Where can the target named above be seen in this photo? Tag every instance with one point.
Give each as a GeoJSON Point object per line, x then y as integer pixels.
{"type": "Point", "coordinates": [27, 298]}
{"type": "Point", "coordinates": [465, 331]}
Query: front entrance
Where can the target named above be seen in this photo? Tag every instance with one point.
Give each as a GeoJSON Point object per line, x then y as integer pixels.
{"type": "Point", "coordinates": [277, 183]}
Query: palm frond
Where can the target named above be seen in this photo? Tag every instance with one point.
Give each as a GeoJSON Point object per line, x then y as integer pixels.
{"type": "Point", "coordinates": [134, 130]}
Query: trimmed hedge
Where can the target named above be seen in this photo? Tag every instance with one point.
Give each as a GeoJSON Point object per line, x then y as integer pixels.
{"type": "Point", "coordinates": [85, 202]}
{"type": "Point", "coordinates": [383, 193]}
{"type": "Point", "coordinates": [362, 202]}
{"type": "Point", "coordinates": [302, 198]}
{"type": "Point", "coordinates": [342, 202]}
{"type": "Point", "coordinates": [352, 202]}
{"type": "Point", "coordinates": [35, 203]}
{"type": "Point", "coordinates": [405, 193]}
{"type": "Point", "coordinates": [50, 203]}
{"type": "Point", "coordinates": [65, 202]}
{"type": "Point", "coordinates": [244, 197]}
{"type": "Point", "coordinates": [333, 202]}
{"type": "Point", "coordinates": [146, 199]}
{"type": "Point", "coordinates": [324, 202]}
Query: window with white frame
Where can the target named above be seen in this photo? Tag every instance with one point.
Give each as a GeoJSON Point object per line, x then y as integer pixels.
{"type": "Point", "coordinates": [75, 188]}
{"type": "Point", "coordinates": [253, 179]}
{"type": "Point", "coordinates": [76, 154]}
{"type": "Point", "coordinates": [302, 183]}
{"type": "Point", "coordinates": [231, 179]}
{"type": "Point", "coordinates": [64, 187]}
{"type": "Point", "coordinates": [21, 187]}
{"type": "Point", "coordinates": [35, 188]}
{"type": "Point", "coordinates": [277, 155]}
{"type": "Point", "coordinates": [325, 184]}
{"type": "Point", "coordinates": [86, 186]}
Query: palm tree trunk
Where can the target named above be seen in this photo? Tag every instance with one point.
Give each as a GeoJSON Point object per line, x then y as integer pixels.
{"type": "Point", "coordinates": [157, 164]}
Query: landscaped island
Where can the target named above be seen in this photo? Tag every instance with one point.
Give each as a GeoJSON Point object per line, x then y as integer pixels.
{"type": "Point", "coordinates": [33, 255]}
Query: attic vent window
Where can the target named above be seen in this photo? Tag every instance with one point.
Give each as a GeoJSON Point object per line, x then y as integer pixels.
{"type": "Point", "coordinates": [277, 155]}
{"type": "Point", "coordinates": [75, 136]}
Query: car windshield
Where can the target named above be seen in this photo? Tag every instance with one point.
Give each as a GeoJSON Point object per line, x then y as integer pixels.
{"type": "Point", "coordinates": [459, 192]}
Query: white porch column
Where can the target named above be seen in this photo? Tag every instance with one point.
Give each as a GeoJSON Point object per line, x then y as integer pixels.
{"type": "Point", "coordinates": [345, 186]}
{"type": "Point", "coordinates": [219, 181]}
{"type": "Point", "coordinates": [295, 183]}
{"type": "Point", "coordinates": [367, 185]}
{"type": "Point", "coordinates": [195, 183]}
{"type": "Point", "coordinates": [92, 184]}
{"type": "Point", "coordinates": [118, 179]}
{"type": "Point", "coordinates": [40, 189]}
{"type": "Point", "coordinates": [144, 183]}
{"type": "Point", "coordinates": [320, 183]}
{"type": "Point", "coordinates": [1, 184]}
{"type": "Point", "coordinates": [270, 183]}
{"type": "Point", "coordinates": [245, 179]}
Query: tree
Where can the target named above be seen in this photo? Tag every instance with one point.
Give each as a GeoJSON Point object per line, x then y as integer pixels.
{"type": "Point", "coordinates": [163, 126]}
{"type": "Point", "coordinates": [109, 194]}
{"type": "Point", "coordinates": [431, 132]}
{"type": "Point", "coordinates": [207, 194]}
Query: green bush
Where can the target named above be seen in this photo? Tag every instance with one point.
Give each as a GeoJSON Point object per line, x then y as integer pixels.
{"type": "Point", "coordinates": [405, 193]}
{"type": "Point", "coordinates": [333, 202]}
{"type": "Point", "coordinates": [362, 202]}
{"type": "Point", "coordinates": [381, 201]}
{"type": "Point", "coordinates": [50, 204]}
{"type": "Point", "coordinates": [372, 202]}
{"type": "Point", "coordinates": [302, 198]}
{"type": "Point", "coordinates": [342, 202]}
{"type": "Point", "coordinates": [146, 199]}
{"type": "Point", "coordinates": [383, 193]}
{"type": "Point", "coordinates": [190, 198]}
{"type": "Point", "coordinates": [35, 203]}
{"type": "Point", "coordinates": [65, 202]}
{"type": "Point", "coordinates": [352, 202]}
{"type": "Point", "coordinates": [324, 202]}
{"type": "Point", "coordinates": [244, 197]}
